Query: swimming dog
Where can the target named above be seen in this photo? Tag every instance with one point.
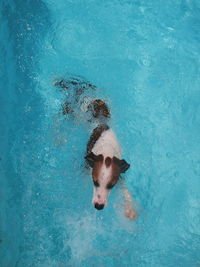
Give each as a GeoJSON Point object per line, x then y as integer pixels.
{"type": "Point", "coordinates": [103, 153]}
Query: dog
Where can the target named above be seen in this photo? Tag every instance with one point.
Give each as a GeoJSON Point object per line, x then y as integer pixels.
{"type": "Point", "coordinates": [103, 153]}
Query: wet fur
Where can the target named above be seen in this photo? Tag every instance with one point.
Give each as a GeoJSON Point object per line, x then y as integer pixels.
{"type": "Point", "coordinates": [103, 153]}
{"type": "Point", "coordinates": [78, 88]}
{"type": "Point", "coordinates": [97, 132]}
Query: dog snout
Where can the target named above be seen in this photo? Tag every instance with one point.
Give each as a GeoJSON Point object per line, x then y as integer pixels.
{"type": "Point", "coordinates": [98, 206]}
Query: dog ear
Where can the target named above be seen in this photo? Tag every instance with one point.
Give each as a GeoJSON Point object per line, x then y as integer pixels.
{"type": "Point", "coordinates": [123, 165]}
{"type": "Point", "coordinates": [91, 158]}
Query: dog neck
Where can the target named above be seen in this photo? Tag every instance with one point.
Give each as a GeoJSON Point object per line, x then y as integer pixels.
{"type": "Point", "coordinates": [103, 141]}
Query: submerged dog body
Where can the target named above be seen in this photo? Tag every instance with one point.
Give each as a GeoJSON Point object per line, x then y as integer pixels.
{"type": "Point", "coordinates": [104, 157]}
{"type": "Point", "coordinates": [103, 153]}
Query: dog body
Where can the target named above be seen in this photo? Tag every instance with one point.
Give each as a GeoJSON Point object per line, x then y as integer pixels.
{"type": "Point", "coordinates": [107, 145]}
{"type": "Point", "coordinates": [103, 153]}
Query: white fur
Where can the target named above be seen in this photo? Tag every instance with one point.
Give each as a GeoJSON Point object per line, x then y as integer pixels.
{"type": "Point", "coordinates": [107, 145]}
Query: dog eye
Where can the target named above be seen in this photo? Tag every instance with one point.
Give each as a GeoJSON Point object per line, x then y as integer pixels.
{"type": "Point", "coordinates": [96, 183]}
{"type": "Point", "coordinates": [109, 186]}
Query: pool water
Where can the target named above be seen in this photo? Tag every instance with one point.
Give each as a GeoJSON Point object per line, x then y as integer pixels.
{"type": "Point", "coordinates": [144, 58]}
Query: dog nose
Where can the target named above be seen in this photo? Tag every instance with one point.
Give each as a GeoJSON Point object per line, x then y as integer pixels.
{"type": "Point", "coordinates": [99, 206]}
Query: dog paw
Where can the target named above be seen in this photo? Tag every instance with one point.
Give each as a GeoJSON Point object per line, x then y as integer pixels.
{"type": "Point", "coordinates": [130, 213]}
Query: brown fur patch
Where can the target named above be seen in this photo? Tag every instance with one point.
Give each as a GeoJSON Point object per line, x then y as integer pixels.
{"type": "Point", "coordinates": [100, 109]}
{"type": "Point", "coordinates": [95, 136]}
{"type": "Point", "coordinates": [115, 173]}
{"type": "Point", "coordinates": [91, 158]}
{"type": "Point", "coordinates": [96, 169]}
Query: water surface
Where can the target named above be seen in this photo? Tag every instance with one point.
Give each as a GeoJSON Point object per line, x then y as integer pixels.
{"type": "Point", "coordinates": [144, 57]}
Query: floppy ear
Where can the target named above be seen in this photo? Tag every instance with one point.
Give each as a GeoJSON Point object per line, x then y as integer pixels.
{"type": "Point", "coordinates": [91, 158]}
{"type": "Point", "coordinates": [123, 165]}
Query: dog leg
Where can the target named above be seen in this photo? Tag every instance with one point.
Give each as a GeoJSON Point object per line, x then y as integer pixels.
{"type": "Point", "coordinates": [129, 205]}
{"type": "Point", "coordinates": [66, 108]}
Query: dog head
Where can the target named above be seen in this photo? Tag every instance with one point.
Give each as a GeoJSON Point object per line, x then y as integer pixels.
{"type": "Point", "coordinates": [105, 175]}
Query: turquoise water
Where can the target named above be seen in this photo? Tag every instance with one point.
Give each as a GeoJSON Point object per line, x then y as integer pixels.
{"type": "Point", "coordinates": [144, 57]}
